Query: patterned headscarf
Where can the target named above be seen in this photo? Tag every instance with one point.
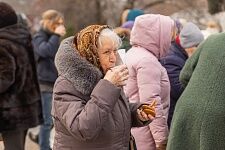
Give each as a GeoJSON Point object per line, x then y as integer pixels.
{"type": "Point", "coordinates": [86, 43]}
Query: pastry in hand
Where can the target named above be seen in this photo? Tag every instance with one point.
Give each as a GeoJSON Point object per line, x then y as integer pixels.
{"type": "Point", "coordinates": [149, 109]}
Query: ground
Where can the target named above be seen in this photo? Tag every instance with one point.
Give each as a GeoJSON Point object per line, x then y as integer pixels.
{"type": "Point", "coordinates": [29, 145]}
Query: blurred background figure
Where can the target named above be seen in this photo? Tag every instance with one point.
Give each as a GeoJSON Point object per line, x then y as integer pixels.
{"type": "Point", "coordinates": [178, 25]}
{"type": "Point", "coordinates": [124, 34]}
{"type": "Point", "coordinates": [151, 38]}
{"type": "Point", "coordinates": [128, 25]}
{"type": "Point", "coordinates": [20, 100]}
{"type": "Point", "coordinates": [212, 28]}
{"type": "Point", "coordinates": [127, 21]}
{"type": "Point", "coordinates": [130, 15]}
{"type": "Point", "coordinates": [46, 42]}
{"type": "Point", "coordinates": [190, 37]}
{"type": "Point", "coordinates": [22, 18]}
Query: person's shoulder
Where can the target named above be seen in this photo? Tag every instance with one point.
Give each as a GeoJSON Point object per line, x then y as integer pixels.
{"type": "Point", "coordinates": [217, 40]}
{"type": "Point", "coordinates": [173, 56]}
{"type": "Point", "coordinates": [215, 37]}
{"type": "Point", "coordinates": [64, 87]}
{"type": "Point", "coordinates": [40, 33]}
{"type": "Point", "coordinates": [139, 53]}
{"type": "Point", "coordinates": [172, 59]}
{"type": "Point", "coordinates": [137, 56]}
{"type": "Point", "coordinates": [63, 84]}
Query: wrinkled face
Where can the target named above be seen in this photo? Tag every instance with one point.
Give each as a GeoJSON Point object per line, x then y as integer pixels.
{"type": "Point", "coordinates": [107, 54]}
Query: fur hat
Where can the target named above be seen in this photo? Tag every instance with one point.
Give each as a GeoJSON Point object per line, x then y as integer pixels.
{"type": "Point", "coordinates": [190, 36]}
{"type": "Point", "coordinates": [7, 15]}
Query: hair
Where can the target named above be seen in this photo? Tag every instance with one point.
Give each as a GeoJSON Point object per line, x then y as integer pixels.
{"type": "Point", "coordinates": [109, 33]}
{"type": "Point", "coordinates": [50, 18]}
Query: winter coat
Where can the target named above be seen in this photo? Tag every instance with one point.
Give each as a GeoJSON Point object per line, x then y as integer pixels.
{"type": "Point", "coordinates": [199, 117]}
{"type": "Point", "coordinates": [148, 79]}
{"type": "Point", "coordinates": [46, 45]}
{"type": "Point", "coordinates": [174, 62]}
{"type": "Point", "coordinates": [20, 102]}
{"type": "Point", "coordinates": [89, 113]}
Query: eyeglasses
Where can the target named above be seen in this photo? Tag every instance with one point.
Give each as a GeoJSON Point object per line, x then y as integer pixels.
{"type": "Point", "coordinates": [109, 52]}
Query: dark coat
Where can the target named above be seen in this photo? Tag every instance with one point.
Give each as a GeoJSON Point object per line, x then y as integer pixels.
{"type": "Point", "coordinates": [199, 117]}
{"type": "Point", "coordinates": [89, 113]}
{"type": "Point", "coordinates": [174, 63]}
{"type": "Point", "coordinates": [20, 102]}
{"type": "Point", "coordinates": [46, 45]}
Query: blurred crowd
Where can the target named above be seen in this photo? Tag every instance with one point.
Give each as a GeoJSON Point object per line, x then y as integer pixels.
{"type": "Point", "coordinates": [152, 83]}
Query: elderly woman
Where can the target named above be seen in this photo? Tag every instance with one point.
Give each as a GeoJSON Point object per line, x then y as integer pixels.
{"type": "Point", "coordinates": [151, 37]}
{"type": "Point", "coordinates": [89, 108]}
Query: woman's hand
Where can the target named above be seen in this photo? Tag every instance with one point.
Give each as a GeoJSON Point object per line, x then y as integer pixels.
{"type": "Point", "coordinates": [147, 112]}
{"type": "Point", "coordinates": [117, 75]}
{"type": "Point", "coordinates": [143, 116]}
{"type": "Point", "coordinates": [60, 30]}
{"type": "Point", "coordinates": [160, 146]}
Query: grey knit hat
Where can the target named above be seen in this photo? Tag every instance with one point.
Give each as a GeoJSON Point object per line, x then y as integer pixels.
{"type": "Point", "coordinates": [190, 36]}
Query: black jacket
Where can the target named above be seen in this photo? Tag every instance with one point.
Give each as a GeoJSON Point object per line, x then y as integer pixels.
{"type": "Point", "coordinates": [174, 63]}
{"type": "Point", "coordinates": [45, 46]}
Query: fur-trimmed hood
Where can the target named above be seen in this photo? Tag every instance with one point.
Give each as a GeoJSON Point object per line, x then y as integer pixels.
{"type": "Point", "coordinates": [82, 74]}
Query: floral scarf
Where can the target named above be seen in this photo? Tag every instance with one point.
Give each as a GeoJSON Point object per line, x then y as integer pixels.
{"type": "Point", "coordinates": [86, 43]}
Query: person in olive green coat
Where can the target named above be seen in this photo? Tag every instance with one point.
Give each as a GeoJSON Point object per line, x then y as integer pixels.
{"type": "Point", "coordinates": [199, 118]}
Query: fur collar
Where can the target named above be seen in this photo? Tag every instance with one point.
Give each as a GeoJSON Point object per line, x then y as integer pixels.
{"type": "Point", "coordinates": [82, 74]}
